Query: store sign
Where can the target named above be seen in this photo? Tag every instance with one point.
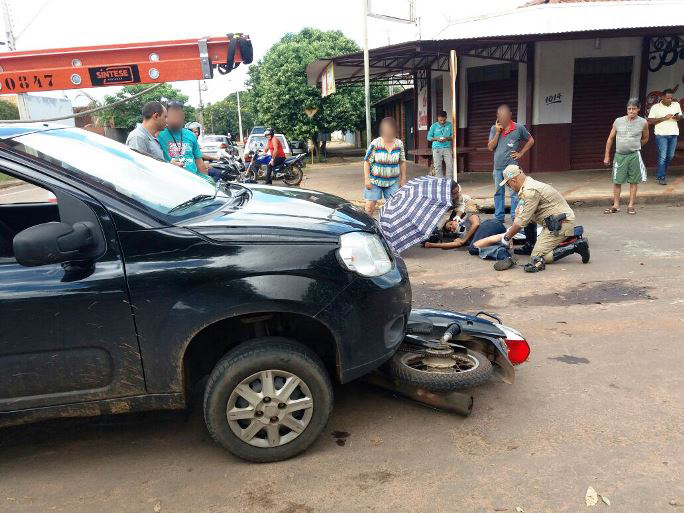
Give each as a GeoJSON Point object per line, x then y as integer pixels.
{"type": "Point", "coordinates": [328, 80]}
{"type": "Point", "coordinates": [422, 105]}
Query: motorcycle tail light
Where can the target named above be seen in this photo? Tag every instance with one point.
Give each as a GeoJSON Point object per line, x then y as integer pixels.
{"type": "Point", "coordinates": [224, 146]}
{"type": "Point", "coordinates": [518, 350]}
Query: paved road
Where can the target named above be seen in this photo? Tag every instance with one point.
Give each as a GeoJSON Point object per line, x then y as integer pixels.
{"type": "Point", "coordinates": [600, 404]}
{"type": "Point", "coordinates": [25, 193]}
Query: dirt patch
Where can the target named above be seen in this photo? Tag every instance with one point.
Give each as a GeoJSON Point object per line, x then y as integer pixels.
{"type": "Point", "coordinates": [598, 292]}
{"type": "Point", "coordinates": [261, 497]}
{"type": "Point", "coordinates": [296, 508]}
{"type": "Point", "coordinates": [460, 299]}
{"type": "Point", "coordinates": [367, 480]}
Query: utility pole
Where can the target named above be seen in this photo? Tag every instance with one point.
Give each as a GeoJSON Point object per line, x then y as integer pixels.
{"type": "Point", "coordinates": [9, 30]}
{"type": "Point", "coordinates": [239, 113]}
{"type": "Point", "coordinates": [366, 71]}
{"type": "Point", "coordinates": [412, 20]}
{"type": "Point", "coordinates": [201, 104]}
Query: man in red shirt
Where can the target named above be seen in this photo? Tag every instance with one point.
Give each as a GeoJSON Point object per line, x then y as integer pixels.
{"type": "Point", "coordinates": [275, 149]}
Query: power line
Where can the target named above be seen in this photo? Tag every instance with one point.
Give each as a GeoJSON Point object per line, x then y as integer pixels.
{"type": "Point", "coordinates": [33, 18]}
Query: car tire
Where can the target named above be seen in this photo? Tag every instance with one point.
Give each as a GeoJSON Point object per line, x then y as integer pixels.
{"type": "Point", "coordinates": [236, 387]}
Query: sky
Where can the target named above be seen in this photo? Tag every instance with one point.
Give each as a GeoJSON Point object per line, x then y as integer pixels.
{"type": "Point", "coordinates": [65, 23]}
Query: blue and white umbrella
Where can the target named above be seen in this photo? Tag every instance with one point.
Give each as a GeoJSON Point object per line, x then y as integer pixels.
{"type": "Point", "coordinates": [410, 216]}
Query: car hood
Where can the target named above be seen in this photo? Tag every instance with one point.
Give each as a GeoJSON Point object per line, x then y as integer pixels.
{"type": "Point", "coordinates": [283, 213]}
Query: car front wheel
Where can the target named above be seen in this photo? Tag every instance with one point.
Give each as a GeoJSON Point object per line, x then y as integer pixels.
{"type": "Point", "coordinates": [268, 399]}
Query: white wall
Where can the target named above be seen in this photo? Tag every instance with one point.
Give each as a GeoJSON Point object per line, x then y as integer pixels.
{"type": "Point", "coordinates": [32, 106]}
{"type": "Point", "coordinates": [554, 75]}
{"type": "Point", "coordinates": [555, 67]}
{"type": "Point", "coordinates": [667, 77]}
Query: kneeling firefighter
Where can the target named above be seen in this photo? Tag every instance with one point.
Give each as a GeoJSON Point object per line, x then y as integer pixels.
{"type": "Point", "coordinates": [542, 204]}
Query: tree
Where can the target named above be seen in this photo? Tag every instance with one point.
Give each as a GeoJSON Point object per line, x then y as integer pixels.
{"type": "Point", "coordinates": [8, 110]}
{"type": "Point", "coordinates": [280, 91]}
{"type": "Point", "coordinates": [128, 114]}
{"type": "Point", "coordinates": [221, 117]}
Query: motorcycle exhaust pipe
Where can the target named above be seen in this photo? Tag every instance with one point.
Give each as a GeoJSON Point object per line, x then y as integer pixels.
{"type": "Point", "coordinates": [460, 403]}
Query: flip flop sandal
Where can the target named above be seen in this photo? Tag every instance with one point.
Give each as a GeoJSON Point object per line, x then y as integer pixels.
{"type": "Point", "coordinates": [611, 210]}
{"type": "Point", "coordinates": [631, 211]}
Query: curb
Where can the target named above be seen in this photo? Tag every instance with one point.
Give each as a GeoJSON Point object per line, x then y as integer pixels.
{"type": "Point", "coordinates": [487, 206]}
{"type": "Point", "coordinates": [599, 201]}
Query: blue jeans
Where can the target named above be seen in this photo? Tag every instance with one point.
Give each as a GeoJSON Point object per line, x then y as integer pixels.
{"type": "Point", "coordinates": [666, 149]}
{"type": "Point", "coordinates": [500, 198]}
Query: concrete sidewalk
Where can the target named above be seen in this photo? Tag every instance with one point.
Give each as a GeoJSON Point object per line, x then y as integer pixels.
{"type": "Point", "coordinates": [580, 188]}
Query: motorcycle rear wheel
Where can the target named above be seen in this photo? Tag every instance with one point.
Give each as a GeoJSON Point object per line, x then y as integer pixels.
{"type": "Point", "coordinates": [470, 369]}
{"type": "Point", "coordinates": [293, 176]}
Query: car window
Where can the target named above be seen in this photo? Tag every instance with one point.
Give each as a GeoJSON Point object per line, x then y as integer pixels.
{"type": "Point", "coordinates": [157, 186]}
{"type": "Point", "coordinates": [22, 205]}
{"type": "Point", "coordinates": [14, 191]}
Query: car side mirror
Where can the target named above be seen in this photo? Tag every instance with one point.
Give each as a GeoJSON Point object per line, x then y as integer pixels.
{"type": "Point", "coordinates": [53, 243]}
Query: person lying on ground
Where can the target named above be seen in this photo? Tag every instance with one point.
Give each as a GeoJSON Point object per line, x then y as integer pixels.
{"type": "Point", "coordinates": [460, 227]}
{"type": "Point", "coordinates": [456, 232]}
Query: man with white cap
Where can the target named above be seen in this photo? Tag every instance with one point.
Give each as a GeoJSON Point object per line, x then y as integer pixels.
{"type": "Point", "coordinates": [542, 204]}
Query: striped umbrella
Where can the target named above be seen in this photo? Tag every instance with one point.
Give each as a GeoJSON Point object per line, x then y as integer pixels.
{"type": "Point", "coordinates": [410, 216]}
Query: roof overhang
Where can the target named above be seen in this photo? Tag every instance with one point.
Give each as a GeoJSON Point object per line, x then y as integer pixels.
{"type": "Point", "coordinates": [398, 63]}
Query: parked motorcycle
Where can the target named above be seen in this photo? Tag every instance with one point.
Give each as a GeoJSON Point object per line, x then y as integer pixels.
{"type": "Point", "coordinates": [290, 171]}
{"type": "Point", "coordinates": [228, 168]}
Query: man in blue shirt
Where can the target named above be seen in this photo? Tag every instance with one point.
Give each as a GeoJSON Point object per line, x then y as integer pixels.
{"type": "Point", "coordinates": [440, 135]}
{"type": "Point", "coordinates": [179, 145]}
{"type": "Point", "coordinates": [505, 138]}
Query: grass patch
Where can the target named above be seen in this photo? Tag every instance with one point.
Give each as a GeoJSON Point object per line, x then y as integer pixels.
{"type": "Point", "coordinates": [4, 178]}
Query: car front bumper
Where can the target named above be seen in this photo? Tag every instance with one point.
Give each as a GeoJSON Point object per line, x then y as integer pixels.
{"type": "Point", "coordinates": [369, 321]}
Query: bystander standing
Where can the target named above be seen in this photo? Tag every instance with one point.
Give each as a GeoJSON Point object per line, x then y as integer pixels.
{"type": "Point", "coordinates": [440, 135]}
{"type": "Point", "coordinates": [665, 115]}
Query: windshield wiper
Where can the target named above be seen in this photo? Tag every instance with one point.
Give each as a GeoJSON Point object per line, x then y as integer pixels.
{"type": "Point", "coordinates": [192, 201]}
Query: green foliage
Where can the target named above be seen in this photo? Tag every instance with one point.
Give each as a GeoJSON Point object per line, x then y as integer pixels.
{"type": "Point", "coordinates": [128, 114]}
{"type": "Point", "coordinates": [281, 93]}
{"type": "Point", "coordinates": [221, 117]}
{"type": "Point", "coordinates": [8, 110]}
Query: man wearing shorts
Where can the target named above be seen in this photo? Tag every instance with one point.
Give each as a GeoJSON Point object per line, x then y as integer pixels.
{"type": "Point", "coordinates": [630, 133]}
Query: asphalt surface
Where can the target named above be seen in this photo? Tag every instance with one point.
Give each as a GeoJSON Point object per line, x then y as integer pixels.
{"type": "Point", "coordinates": [599, 404]}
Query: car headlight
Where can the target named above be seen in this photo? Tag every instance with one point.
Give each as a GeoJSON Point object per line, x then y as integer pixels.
{"type": "Point", "coordinates": [364, 254]}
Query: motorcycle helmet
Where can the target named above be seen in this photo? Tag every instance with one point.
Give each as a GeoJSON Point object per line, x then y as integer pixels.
{"type": "Point", "coordinates": [194, 125]}
{"type": "Point", "coordinates": [269, 131]}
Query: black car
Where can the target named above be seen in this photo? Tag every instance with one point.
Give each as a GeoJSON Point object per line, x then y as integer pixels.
{"type": "Point", "coordinates": [143, 278]}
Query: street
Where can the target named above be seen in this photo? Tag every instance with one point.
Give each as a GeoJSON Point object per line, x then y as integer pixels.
{"type": "Point", "coordinates": [598, 404]}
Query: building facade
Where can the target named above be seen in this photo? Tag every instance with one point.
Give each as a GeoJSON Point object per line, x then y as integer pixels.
{"type": "Point", "coordinates": [565, 84]}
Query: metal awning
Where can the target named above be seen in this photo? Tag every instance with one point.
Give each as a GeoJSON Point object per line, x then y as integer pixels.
{"type": "Point", "coordinates": [396, 64]}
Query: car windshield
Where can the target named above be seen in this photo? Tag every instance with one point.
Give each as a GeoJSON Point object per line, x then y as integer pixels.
{"type": "Point", "coordinates": [259, 141]}
{"type": "Point", "coordinates": [156, 186]}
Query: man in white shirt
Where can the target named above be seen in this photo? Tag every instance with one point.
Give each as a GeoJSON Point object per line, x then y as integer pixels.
{"type": "Point", "coordinates": [665, 115]}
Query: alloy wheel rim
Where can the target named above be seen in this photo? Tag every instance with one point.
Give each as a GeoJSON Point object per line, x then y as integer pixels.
{"type": "Point", "coordinates": [270, 408]}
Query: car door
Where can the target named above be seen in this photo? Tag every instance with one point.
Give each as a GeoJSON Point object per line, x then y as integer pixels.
{"type": "Point", "coordinates": [67, 332]}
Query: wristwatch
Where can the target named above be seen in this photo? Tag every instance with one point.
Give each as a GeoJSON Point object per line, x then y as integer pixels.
{"type": "Point", "coordinates": [506, 238]}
